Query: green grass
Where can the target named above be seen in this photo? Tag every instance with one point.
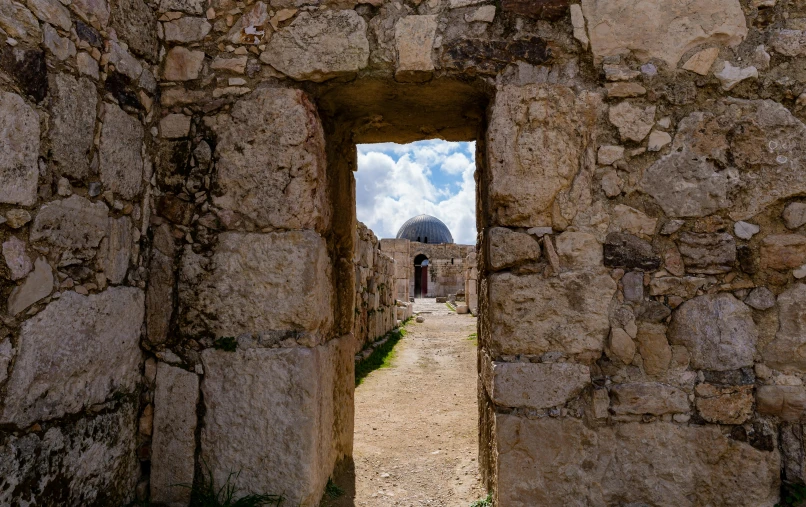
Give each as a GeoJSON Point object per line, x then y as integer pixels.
{"type": "Point", "coordinates": [473, 336]}
{"type": "Point", "coordinates": [380, 358]}
{"type": "Point", "coordinates": [226, 343]}
{"type": "Point", "coordinates": [332, 490]}
{"type": "Point", "coordinates": [204, 493]}
{"type": "Point", "coordinates": [792, 495]}
{"type": "Point", "coordinates": [484, 502]}
{"type": "Point", "coordinates": [450, 307]}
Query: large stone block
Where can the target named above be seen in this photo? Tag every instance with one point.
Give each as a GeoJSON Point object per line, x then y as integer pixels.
{"type": "Point", "coordinates": [320, 45]}
{"type": "Point", "coordinates": [260, 283]}
{"type": "Point", "coordinates": [88, 461]}
{"type": "Point", "coordinates": [414, 39]}
{"type": "Point", "coordinates": [284, 410]}
{"type": "Point", "coordinates": [72, 127]}
{"type": "Point", "coordinates": [174, 442]}
{"type": "Point", "coordinates": [787, 352]}
{"type": "Point", "coordinates": [136, 24]}
{"type": "Point", "coordinates": [116, 249]}
{"type": "Point", "coordinates": [121, 152]}
{"type": "Point", "coordinates": [718, 331]}
{"type": "Point", "coordinates": [19, 137]}
{"type": "Point", "coordinates": [647, 398]}
{"type": "Point", "coordinates": [562, 462]}
{"type": "Point", "coordinates": [535, 140]}
{"type": "Point", "coordinates": [57, 371]}
{"type": "Point", "coordinates": [533, 385]}
{"type": "Point", "coordinates": [509, 248]}
{"type": "Point", "coordinates": [568, 313]}
{"type": "Point", "coordinates": [661, 29]}
{"type": "Point", "coordinates": [271, 161]}
{"type": "Point", "coordinates": [73, 223]}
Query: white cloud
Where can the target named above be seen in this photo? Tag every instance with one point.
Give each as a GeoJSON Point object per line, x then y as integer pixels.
{"type": "Point", "coordinates": [396, 182]}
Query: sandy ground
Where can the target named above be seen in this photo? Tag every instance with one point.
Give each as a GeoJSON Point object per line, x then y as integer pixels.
{"type": "Point", "coordinates": [416, 423]}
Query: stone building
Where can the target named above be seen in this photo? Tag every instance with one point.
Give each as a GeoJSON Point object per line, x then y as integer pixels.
{"type": "Point", "coordinates": [429, 263]}
{"type": "Point", "coordinates": [177, 222]}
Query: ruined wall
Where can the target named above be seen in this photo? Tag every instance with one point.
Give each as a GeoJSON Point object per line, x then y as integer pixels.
{"type": "Point", "coordinates": [399, 250]}
{"type": "Point", "coordinates": [77, 92]}
{"type": "Point", "coordinates": [471, 282]}
{"type": "Point", "coordinates": [375, 307]}
{"type": "Point", "coordinates": [445, 269]}
{"type": "Point", "coordinates": [640, 196]}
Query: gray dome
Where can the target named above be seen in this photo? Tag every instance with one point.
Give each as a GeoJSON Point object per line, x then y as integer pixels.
{"type": "Point", "coordinates": [425, 229]}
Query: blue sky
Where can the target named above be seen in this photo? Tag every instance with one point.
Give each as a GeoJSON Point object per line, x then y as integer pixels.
{"type": "Point", "coordinates": [395, 182]}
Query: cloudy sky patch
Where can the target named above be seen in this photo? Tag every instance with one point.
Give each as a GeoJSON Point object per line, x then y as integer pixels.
{"type": "Point", "coordinates": [395, 182]}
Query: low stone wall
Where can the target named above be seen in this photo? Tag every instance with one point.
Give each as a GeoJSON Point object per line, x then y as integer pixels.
{"type": "Point", "coordinates": [375, 304]}
{"type": "Point", "coordinates": [471, 281]}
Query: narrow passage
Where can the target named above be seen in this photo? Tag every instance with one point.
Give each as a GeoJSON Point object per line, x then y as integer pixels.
{"type": "Point", "coordinates": [416, 422]}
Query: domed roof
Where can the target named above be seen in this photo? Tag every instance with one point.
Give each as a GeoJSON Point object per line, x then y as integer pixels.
{"type": "Point", "coordinates": [425, 229]}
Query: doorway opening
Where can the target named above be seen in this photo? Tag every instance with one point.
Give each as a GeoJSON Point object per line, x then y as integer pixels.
{"type": "Point", "coordinates": [420, 276]}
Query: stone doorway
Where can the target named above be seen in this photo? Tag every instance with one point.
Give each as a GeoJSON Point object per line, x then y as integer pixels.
{"type": "Point", "coordinates": [420, 276]}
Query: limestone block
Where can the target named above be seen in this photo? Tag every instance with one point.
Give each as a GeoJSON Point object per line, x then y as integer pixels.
{"type": "Point", "coordinates": [120, 152]}
{"type": "Point", "coordinates": [188, 6]}
{"type": "Point", "coordinates": [61, 47]}
{"type": "Point", "coordinates": [38, 285]}
{"type": "Point", "coordinates": [532, 315]}
{"type": "Point", "coordinates": [19, 137]}
{"type": "Point", "coordinates": [620, 346]}
{"type": "Point", "coordinates": [278, 132]}
{"type": "Point", "coordinates": [608, 155]}
{"type": "Point", "coordinates": [661, 29]}
{"type": "Point", "coordinates": [724, 404]}
{"type": "Point", "coordinates": [718, 331]}
{"type": "Point", "coordinates": [414, 39]}
{"type": "Point", "coordinates": [524, 180]}
{"type": "Point", "coordinates": [533, 385]}
{"type": "Point", "coordinates": [186, 29]}
{"type": "Point", "coordinates": [174, 442]}
{"type": "Point", "coordinates": [509, 248]}
{"type": "Point", "coordinates": [51, 11]}
{"type": "Point", "coordinates": [71, 223]}
{"type": "Point", "coordinates": [174, 126]}
{"type": "Point", "coordinates": [89, 460]}
{"type": "Point", "coordinates": [116, 250]}
{"type": "Point", "coordinates": [786, 352]}
{"type": "Point", "coordinates": [633, 123]}
{"type": "Point", "coordinates": [760, 298]}
{"type": "Point", "coordinates": [182, 64]}
{"type": "Point", "coordinates": [260, 283]}
{"type": "Point", "coordinates": [135, 23]}
{"type": "Point", "coordinates": [731, 76]}
{"type": "Point", "coordinates": [653, 347]}
{"type": "Point", "coordinates": [708, 253]}
{"type": "Point", "coordinates": [72, 127]}
{"type": "Point", "coordinates": [559, 461]}
{"type": "Point", "coordinates": [628, 251]}
{"type": "Point", "coordinates": [19, 23]}
{"type": "Point", "coordinates": [96, 12]}
{"type": "Point", "coordinates": [57, 371]}
{"type": "Point", "coordinates": [795, 215]}
{"type": "Point", "coordinates": [647, 398]}
{"type": "Point", "coordinates": [786, 402]}
{"type": "Point", "coordinates": [17, 261]}
{"type": "Point", "coordinates": [702, 61]}
{"type": "Point", "coordinates": [633, 221]}
{"type": "Point", "coordinates": [236, 64]}
{"type": "Point", "coordinates": [578, 250]}
{"type": "Point", "coordinates": [783, 251]}
{"type": "Point", "coordinates": [335, 44]}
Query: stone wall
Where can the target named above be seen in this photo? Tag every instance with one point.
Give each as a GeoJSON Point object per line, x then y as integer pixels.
{"type": "Point", "coordinates": [399, 250]}
{"type": "Point", "coordinates": [177, 219]}
{"type": "Point", "coordinates": [445, 268]}
{"type": "Point", "coordinates": [375, 304]}
{"type": "Point", "coordinates": [471, 283]}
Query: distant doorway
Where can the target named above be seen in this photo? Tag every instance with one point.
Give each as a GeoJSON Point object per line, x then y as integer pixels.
{"type": "Point", "coordinates": [420, 276]}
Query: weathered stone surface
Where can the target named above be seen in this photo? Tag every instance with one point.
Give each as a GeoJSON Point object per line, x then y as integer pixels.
{"type": "Point", "coordinates": [136, 24]}
{"type": "Point", "coordinates": [298, 400]}
{"type": "Point", "coordinates": [761, 298]}
{"type": "Point", "coordinates": [628, 251]}
{"type": "Point", "coordinates": [633, 123]}
{"type": "Point", "coordinates": [607, 155]}
{"type": "Point", "coordinates": [260, 283]}
{"type": "Point", "coordinates": [160, 290]}
{"type": "Point", "coordinates": [702, 61]}
{"type": "Point", "coordinates": [95, 12]}
{"type": "Point", "coordinates": [579, 250]}
{"type": "Point", "coordinates": [745, 230]}
{"type": "Point", "coordinates": [718, 331]}
{"type": "Point", "coordinates": [175, 126]}
{"type": "Point", "coordinates": [708, 253]}
{"type": "Point", "coordinates": [51, 11]}
{"type": "Point", "coordinates": [795, 215]}
{"type": "Point", "coordinates": [783, 251]}
{"type": "Point", "coordinates": [485, 56]}
{"type": "Point", "coordinates": [682, 286]}
{"type": "Point", "coordinates": [72, 127]}
{"type": "Point", "coordinates": [182, 64]}
{"type": "Point", "coordinates": [57, 371]}
{"type": "Point", "coordinates": [534, 385]}
{"type": "Point", "coordinates": [661, 29]}
{"type": "Point", "coordinates": [19, 22]}
{"type": "Point", "coordinates": [174, 443]}
{"type": "Point", "coordinates": [61, 47]}
{"type": "Point", "coordinates": [335, 45]}
{"type": "Point", "coordinates": [731, 76]}
{"type": "Point", "coordinates": [786, 402]}
{"type": "Point", "coordinates": [252, 26]}
{"type": "Point", "coordinates": [524, 181]}
{"type": "Point", "coordinates": [569, 464]}
{"type": "Point", "coordinates": [633, 286]}
{"type": "Point", "coordinates": [537, 9]}
{"type": "Point", "coordinates": [279, 131]}
{"type": "Point", "coordinates": [635, 222]}
{"type": "Point", "coordinates": [38, 285]}
{"type": "Point", "coordinates": [120, 153]}
{"type": "Point", "coordinates": [71, 223]}
{"type": "Point", "coordinates": [787, 351]}
{"type": "Point", "coordinates": [653, 347]}
{"type": "Point", "coordinates": [724, 404]}
{"type": "Point", "coordinates": [189, 6]}
{"type": "Point", "coordinates": [236, 64]}
{"type": "Point", "coordinates": [414, 38]}
{"type": "Point", "coordinates": [533, 315]}
{"type": "Point", "coordinates": [19, 136]}
{"type": "Point", "coordinates": [18, 262]}
{"type": "Point", "coordinates": [27, 68]}
{"type": "Point", "coordinates": [647, 398]}
{"type": "Point", "coordinates": [116, 249]}
{"type": "Point", "coordinates": [509, 248]}
{"type": "Point", "coordinates": [88, 461]}
{"type": "Point", "coordinates": [620, 346]}
{"type": "Point", "coordinates": [186, 29]}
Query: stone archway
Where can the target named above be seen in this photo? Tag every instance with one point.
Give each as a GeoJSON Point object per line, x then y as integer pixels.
{"type": "Point", "coordinates": [420, 276]}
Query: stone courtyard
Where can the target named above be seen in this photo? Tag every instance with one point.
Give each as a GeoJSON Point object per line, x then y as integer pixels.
{"type": "Point", "coordinates": [185, 285]}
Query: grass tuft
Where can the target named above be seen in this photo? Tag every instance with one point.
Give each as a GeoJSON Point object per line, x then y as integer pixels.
{"type": "Point", "coordinates": [226, 343]}
{"type": "Point", "coordinates": [332, 490]}
{"type": "Point", "coordinates": [381, 357]}
{"type": "Point", "coordinates": [473, 336]}
{"type": "Point", "coordinates": [204, 493]}
{"type": "Point", "coordinates": [792, 495]}
{"type": "Point", "coordinates": [484, 502]}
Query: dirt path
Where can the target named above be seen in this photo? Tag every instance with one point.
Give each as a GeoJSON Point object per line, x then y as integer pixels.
{"type": "Point", "coordinates": [416, 429]}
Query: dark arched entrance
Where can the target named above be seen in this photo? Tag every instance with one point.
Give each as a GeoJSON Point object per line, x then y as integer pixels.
{"type": "Point", "coordinates": [420, 276]}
